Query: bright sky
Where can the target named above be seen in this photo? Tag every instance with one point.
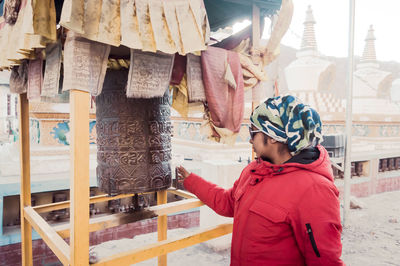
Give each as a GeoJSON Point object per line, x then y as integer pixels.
{"type": "Point", "coordinates": [332, 26]}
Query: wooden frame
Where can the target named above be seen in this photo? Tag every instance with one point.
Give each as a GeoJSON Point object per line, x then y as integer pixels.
{"type": "Point", "coordinates": [48, 234]}
{"type": "Point", "coordinates": [79, 227]}
{"type": "Point", "coordinates": [163, 247]}
{"type": "Point", "coordinates": [77, 253]}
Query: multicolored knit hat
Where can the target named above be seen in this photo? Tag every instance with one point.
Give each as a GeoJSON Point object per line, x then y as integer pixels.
{"type": "Point", "coordinates": [286, 119]}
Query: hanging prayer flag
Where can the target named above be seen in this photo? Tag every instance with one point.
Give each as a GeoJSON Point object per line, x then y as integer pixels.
{"type": "Point", "coordinates": [51, 79]}
{"type": "Point", "coordinates": [85, 64]}
{"type": "Point", "coordinates": [195, 79]}
{"type": "Point", "coordinates": [35, 78]}
{"type": "Point", "coordinates": [19, 78]}
{"type": "Point", "coordinates": [149, 74]}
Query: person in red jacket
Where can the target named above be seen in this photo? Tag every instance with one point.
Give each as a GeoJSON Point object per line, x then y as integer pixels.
{"type": "Point", "coordinates": [285, 204]}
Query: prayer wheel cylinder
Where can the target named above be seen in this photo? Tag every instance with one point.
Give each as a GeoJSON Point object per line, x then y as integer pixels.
{"type": "Point", "coordinates": [133, 139]}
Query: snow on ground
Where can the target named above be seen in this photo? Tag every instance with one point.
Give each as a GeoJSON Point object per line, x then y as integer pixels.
{"type": "Point", "coordinates": [372, 238]}
{"type": "Point", "coordinates": [373, 234]}
{"type": "Point", "coordinates": [197, 255]}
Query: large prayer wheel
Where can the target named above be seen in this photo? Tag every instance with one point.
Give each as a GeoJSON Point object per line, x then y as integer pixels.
{"type": "Point", "coordinates": [133, 139]}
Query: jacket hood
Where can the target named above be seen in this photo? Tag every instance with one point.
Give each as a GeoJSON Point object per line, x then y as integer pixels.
{"type": "Point", "coordinates": [309, 160]}
{"type": "Point", "coordinates": [306, 156]}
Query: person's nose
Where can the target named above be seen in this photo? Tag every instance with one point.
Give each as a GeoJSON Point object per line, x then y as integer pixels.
{"type": "Point", "coordinates": [251, 141]}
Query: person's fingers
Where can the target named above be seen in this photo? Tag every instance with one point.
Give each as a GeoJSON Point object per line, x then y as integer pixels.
{"type": "Point", "coordinates": [181, 172]}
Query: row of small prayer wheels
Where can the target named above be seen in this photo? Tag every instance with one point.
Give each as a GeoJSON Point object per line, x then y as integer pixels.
{"type": "Point", "coordinates": [357, 168]}
{"type": "Point", "coordinates": [389, 164]}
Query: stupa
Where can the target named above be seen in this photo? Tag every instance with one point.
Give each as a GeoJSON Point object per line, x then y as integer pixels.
{"type": "Point", "coordinates": [309, 63]}
{"type": "Point", "coordinates": [310, 76]}
{"type": "Point", "coordinates": [371, 94]}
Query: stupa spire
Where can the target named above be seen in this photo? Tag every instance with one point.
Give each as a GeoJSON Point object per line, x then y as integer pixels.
{"type": "Point", "coordinates": [308, 41]}
{"type": "Point", "coordinates": [369, 54]}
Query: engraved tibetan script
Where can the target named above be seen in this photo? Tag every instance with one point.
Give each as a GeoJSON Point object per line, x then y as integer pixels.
{"type": "Point", "coordinates": [134, 146]}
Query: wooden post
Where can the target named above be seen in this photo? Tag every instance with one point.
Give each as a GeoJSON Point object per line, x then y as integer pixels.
{"type": "Point", "coordinates": [162, 225]}
{"type": "Point", "coordinates": [25, 193]}
{"type": "Point", "coordinates": [256, 44]}
{"type": "Point", "coordinates": [349, 116]}
{"type": "Point", "coordinates": [79, 180]}
{"type": "Point", "coordinates": [256, 27]}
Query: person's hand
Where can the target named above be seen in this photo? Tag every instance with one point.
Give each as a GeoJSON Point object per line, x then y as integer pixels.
{"type": "Point", "coordinates": [181, 173]}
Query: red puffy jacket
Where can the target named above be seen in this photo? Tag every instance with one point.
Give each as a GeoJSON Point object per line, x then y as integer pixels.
{"type": "Point", "coordinates": [285, 214]}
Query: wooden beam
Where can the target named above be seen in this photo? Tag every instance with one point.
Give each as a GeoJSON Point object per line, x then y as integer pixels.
{"type": "Point", "coordinates": [80, 187]}
{"type": "Point", "coordinates": [25, 194]}
{"type": "Point", "coordinates": [182, 193]}
{"type": "Point", "coordinates": [65, 204]}
{"type": "Point", "coordinates": [176, 206]}
{"type": "Point", "coordinates": [162, 225]}
{"type": "Point", "coordinates": [108, 221]}
{"type": "Point", "coordinates": [100, 223]}
{"type": "Point", "coordinates": [166, 246]}
{"type": "Point", "coordinates": [52, 239]}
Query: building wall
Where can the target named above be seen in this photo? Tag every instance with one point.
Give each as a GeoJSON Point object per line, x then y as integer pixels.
{"type": "Point", "coordinates": [366, 186]}
{"type": "Point", "coordinates": [8, 117]}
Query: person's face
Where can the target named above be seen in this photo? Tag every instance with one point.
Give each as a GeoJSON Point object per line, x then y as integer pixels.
{"type": "Point", "coordinates": [257, 140]}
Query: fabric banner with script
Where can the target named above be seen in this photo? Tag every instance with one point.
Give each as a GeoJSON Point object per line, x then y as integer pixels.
{"type": "Point", "coordinates": [52, 71]}
{"type": "Point", "coordinates": [225, 104]}
{"type": "Point", "coordinates": [85, 64]}
{"type": "Point", "coordinates": [178, 70]}
{"type": "Point", "coordinates": [173, 26]}
{"type": "Point", "coordinates": [180, 98]}
{"type": "Point", "coordinates": [35, 78]}
{"type": "Point", "coordinates": [19, 78]}
{"type": "Point", "coordinates": [149, 74]}
{"type": "Point", "coordinates": [195, 79]}
{"type": "Point", "coordinates": [34, 27]}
